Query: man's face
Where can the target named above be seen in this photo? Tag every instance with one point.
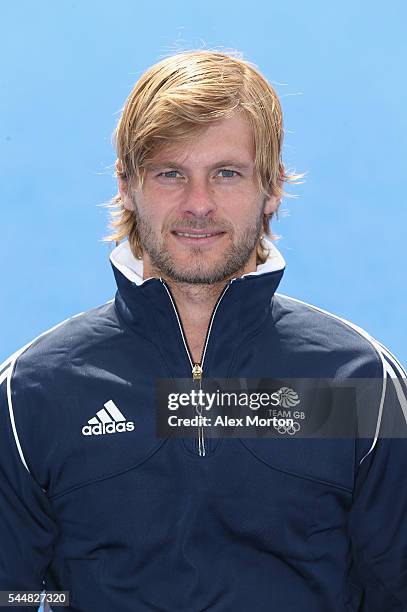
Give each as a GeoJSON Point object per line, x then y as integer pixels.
{"type": "Point", "coordinates": [200, 211]}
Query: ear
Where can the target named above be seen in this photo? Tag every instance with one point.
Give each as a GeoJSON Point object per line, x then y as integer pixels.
{"type": "Point", "coordinates": [271, 204]}
{"type": "Point", "coordinates": [123, 187]}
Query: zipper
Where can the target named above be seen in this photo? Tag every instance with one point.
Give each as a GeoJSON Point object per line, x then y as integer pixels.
{"type": "Point", "coordinates": [197, 368]}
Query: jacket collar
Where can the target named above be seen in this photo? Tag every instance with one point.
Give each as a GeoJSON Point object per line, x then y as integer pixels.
{"type": "Point", "coordinates": [146, 307]}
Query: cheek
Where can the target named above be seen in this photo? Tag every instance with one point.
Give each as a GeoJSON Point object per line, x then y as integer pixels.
{"type": "Point", "coordinates": [155, 213]}
{"type": "Point", "coordinates": [243, 210]}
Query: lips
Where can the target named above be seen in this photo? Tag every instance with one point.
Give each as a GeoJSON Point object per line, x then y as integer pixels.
{"type": "Point", "coordinates": [196, 233]}
{"type": "Point", "coordinates": [195, 237]}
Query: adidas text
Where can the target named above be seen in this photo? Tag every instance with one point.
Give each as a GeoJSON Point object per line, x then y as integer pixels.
{"type": "Point", "coordinates": [107, 428]}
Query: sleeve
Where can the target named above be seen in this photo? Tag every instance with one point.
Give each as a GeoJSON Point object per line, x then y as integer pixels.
{"type": "Point", "coordinates": [378, 518]}
{"type": "Point", "coordinates": [27, 526]}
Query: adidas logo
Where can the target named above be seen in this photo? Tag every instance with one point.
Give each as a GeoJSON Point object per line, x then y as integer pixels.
{"type": "Point", "coordinates": [108, 420]}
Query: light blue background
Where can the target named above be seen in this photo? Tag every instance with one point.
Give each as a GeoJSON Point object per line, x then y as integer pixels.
{"type": "Point", "coordinates": [339, 69]}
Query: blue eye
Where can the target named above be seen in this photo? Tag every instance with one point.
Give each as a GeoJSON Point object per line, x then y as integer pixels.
{"type": "Point", "coordinates": [229, 173]}
{"type": "Point", "coordinates": [171, 174]}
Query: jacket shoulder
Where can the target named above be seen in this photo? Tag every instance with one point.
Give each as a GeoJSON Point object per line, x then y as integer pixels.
{"type": "Point", "coordinates": [317, 329]}
{"type": "Point", "coordinates": [50, 349]}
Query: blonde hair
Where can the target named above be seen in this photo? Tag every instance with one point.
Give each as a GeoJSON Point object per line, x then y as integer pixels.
{"type": "Point", "coordinates": [178, 97]}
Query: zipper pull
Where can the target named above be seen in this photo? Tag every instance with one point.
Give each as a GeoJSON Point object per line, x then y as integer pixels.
{"type": "Point", "coordinates": [196, 372]}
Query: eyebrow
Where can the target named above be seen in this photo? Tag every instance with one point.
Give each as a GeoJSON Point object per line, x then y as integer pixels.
{"type": "Point", "coordinates": [219, 164]}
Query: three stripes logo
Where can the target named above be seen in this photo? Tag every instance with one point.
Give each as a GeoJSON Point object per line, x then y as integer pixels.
{"type": "Point", "coordinates": [108, 420]}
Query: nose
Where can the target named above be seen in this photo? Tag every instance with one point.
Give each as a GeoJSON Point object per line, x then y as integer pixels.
{"type": "Point", "coordinates": [199, 200]}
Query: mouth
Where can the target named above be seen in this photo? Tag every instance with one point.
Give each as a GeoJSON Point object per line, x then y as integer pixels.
{"type": "Point", "coordinates": [196, 237]}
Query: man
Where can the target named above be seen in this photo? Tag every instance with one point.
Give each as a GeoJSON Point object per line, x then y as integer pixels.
{"type": "Point", "coordinates": [94, 502]}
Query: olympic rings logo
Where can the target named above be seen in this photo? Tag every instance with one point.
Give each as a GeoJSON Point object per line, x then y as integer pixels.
{"type": "Point", "coordinates": [291, 428]}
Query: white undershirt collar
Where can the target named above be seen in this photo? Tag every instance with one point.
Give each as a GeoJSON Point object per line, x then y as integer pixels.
{"type": "Point", "coordinates": [123, 259]}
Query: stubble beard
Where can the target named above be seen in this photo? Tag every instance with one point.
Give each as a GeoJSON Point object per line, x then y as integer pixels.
{"type": "Point", "coordinates": [232, 260]}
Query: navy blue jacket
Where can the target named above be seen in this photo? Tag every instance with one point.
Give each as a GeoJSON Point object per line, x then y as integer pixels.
{"type": "Point", "coordinates": [127, 521]}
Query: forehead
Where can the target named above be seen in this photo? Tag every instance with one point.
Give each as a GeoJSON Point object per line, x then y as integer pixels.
{"type": "Point", "coordinates": [227, 139]}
